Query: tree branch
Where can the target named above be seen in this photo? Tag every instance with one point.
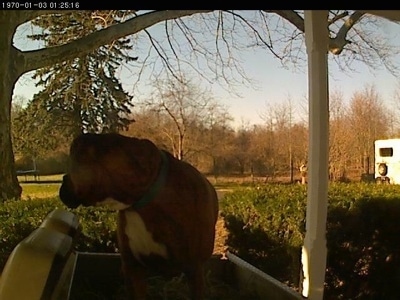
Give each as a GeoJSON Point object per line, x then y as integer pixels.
{"type": "Point", "coordinates": [337, 44]}
{"type": "Point", "coordinates": [264, 42]}
{"type": "Point", "coordinates": [291, 16]}
{"type": "Point", "coordinates": [338, 17]}
{"type": "Point", "coordinates": [32, 60]}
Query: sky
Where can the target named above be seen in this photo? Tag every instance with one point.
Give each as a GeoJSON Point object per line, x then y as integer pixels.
{"type": "Point", "coordinates": [275, 84]}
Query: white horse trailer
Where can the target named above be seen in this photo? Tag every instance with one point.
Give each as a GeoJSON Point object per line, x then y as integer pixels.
{"type": "Point", "coordinates": [387, 161]}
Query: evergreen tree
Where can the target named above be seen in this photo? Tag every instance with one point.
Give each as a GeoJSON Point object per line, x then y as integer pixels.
{"type": "Point", "coordinates": [34, 132]}
{"type": "Point", "coordinates": [83, 94]}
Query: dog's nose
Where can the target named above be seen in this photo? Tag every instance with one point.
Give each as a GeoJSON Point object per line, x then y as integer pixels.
{"type": "Point", "coordinates": [67, 195]}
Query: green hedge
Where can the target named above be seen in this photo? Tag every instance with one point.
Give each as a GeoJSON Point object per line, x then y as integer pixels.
{"type": "Point", "coordinates": [267, 225]}
{"type": "Point", "coordinates": [19, 218]}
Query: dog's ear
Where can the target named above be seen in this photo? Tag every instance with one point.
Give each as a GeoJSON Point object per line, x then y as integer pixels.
{"type": "Point", "coordinates": [84, 148]}
{"type": "Point", "coordinates": [146, 156]}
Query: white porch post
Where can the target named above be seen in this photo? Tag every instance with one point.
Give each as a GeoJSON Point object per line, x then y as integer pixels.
{"type": "Point", "coordinates": [314, 248]}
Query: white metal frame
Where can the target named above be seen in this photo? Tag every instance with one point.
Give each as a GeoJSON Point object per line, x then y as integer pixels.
{"type": "Point", "coordinates": [314, 248]}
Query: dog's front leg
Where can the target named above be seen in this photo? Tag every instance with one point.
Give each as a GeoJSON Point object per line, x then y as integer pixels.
{"type": "Point", "coordinates": [135, 282]}
{"type": "Point", "coordinates": [195, 277]}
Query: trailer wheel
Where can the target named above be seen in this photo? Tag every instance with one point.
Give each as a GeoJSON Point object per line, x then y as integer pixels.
{"type": "Point", "coordinates": [382, 169]}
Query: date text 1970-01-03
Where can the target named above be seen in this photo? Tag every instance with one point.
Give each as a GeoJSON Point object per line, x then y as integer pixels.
{"type": "Point", "coordinates": [40, 5]}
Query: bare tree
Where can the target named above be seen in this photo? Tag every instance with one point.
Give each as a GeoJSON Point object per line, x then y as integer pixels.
{"type": "Point", "coordinates": [340, 137]}
{"type": "Point", "coordinates": [146, 125]}
{"type": "Point", "coordinates": [259, 152]}
{"type": "Point", "coordinates": [394, 118]}
{"type": "Point", "coordinates": [241, 147]}
{"type": "Point", "coordinates": [212, 139]}
{"type": "Point", "coordinates": [280, 117]}
{"type": "Point", "coordinates": [368, 123]}
{"type": "Point", "coordinates": [225, 33]}
{"type": "Point", "coordinates": [185, 105]}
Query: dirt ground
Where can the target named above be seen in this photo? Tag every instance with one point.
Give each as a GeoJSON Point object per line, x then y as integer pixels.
{"type": "Point", "coordinates": [220, 231]}
{"type": "Point", "coordinates": [220, 237]}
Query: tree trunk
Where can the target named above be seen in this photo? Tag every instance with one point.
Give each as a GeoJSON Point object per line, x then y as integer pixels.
{"type": "Point", "coordinates": [9, 185]}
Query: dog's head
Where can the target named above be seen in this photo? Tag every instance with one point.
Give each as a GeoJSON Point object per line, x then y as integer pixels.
{"type": "Point", "coordinates": [109, 169]}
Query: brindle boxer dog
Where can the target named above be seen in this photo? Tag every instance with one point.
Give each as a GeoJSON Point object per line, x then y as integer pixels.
{"type": "Point", "coordinates": [167, 210]}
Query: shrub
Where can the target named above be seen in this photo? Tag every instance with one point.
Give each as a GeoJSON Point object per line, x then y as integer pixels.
{"type": "Point", "coordinates": [266, 227]}
{"type": "Point", "coordinates": [19, 218]}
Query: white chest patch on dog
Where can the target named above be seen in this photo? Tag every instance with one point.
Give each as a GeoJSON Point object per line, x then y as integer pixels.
{"type": "Point", "coordinates": [112, 203]}
{"type": "Point", "coordinates": [141, 241]}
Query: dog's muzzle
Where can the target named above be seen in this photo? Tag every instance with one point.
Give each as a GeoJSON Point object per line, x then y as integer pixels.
{"type": "Point", "coordinates": [67, 195]}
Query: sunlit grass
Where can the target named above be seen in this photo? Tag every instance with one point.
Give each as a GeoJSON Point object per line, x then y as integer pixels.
{"type": "Point", "coordinates": [39, 190]}
{"type": "Point", "coordinates": [44, 186]}
{"type": "Point", "coordinates": [56, 177]}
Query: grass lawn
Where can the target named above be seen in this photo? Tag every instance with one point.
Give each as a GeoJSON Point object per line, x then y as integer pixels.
{"type": "Point", "coordinates": [39, 190]}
